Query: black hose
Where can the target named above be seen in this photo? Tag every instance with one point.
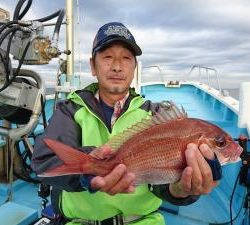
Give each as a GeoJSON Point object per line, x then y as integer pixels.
{"type": "Point", "coordinates": [18, 68]}
{"type": "Point", "coordinates": [58, 25]}
{"type": "Point", "coordinates": [16, 15]}
{"type": "Point", "coordinates": [231, 199]}
{"type": "Point", "coordinates": [17, 9]}
{"type": "Point", "coordinates": [7, 66]}
{"type": "Point", "coordinates": [26, 178]}
{"type": "Point", "coordinates": [21, 60]}
{"type": "Point", "coordinates": [5, 34]}
{"type": "Point", "coordinates": [3, 27]}
{"type": "Point", "coordinates": [27, 7]}
{"type": "Point", "coordinates": [44, 19]}
{"type": "Point", "coordinates": [43, 101]}
{"type": "Point", "coordinates": [26, 155]}
{"type": "Point", "coordinates": [5, 59]}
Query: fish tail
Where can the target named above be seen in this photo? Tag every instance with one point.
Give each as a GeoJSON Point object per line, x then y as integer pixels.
{"type": "Point", "coordinates": [61, 170]}
{"type": "Point", "coordinates": [74, 161]}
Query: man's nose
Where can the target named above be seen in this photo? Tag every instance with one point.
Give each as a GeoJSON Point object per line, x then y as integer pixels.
{"type": "Point", "coordinates": [116, 65]}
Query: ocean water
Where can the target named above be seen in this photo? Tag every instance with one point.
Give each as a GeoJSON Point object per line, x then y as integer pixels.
{"type": "Point", "coordinates": [234, 93]}
{"type": "Point", "coordinates": [227, 84]}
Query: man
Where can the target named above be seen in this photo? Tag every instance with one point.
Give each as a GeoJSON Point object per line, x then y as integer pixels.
{"type": "Point", "coordinates": [88, 119]}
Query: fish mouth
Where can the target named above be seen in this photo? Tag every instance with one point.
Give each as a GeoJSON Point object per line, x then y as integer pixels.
{"type": "Point", "coordinates": [236, 156]}
{"type": "Point", "coordinates": [232, 158]}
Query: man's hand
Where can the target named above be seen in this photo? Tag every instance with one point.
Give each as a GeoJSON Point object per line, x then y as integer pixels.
{"type": "Point", "coordinates": [117, 181]}
{"type": "Point", "coordinates": [197, 178]}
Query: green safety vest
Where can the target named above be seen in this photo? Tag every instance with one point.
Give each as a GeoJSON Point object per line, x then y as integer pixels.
{"type": "Point", "coordinates": [99, 205]}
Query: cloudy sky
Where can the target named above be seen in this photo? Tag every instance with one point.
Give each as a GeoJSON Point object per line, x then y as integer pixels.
{"type": "Point", "coordinates": [174, 34]}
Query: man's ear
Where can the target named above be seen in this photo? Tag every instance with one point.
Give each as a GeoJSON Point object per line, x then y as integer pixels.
{"type": "Point", "coordinates": [92, 66]}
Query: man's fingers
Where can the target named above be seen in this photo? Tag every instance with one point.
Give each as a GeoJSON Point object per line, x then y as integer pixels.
{"type": "Point", "coordinates": [113, 177]}
{"type": "Point", "coordinates": [206, 151]}
{"type": "Point", "coordinates": [105, 183]}
{"type": "Point", "coordinates": [130, 189]}
{"type": "Point", "coordinates": [209, 154]}
{"type": "Point", "coordinates": [191, 158]}
{"type": "Point", "coordinates": [102, 152]}
{"type": "Point", "coordinates": [186, 179]}
{"type": "Point", "coordinates": [207, 177]}
{"type": "Point", "coordinates": [202, 181]}
{"type": "Point", "coordinates": [97, 183]}
{"type": "Point", "coordinates": [197, 177]}
{"type": "Point", "coordinates": [125, 185]}
{"type": "Point", "coordinates": [183, 187]}
{"type": "Point", "coordinates": [117, 181]}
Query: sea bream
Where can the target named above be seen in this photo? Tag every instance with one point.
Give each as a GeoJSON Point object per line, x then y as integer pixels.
{"type": "Point", "coordinates": [152, 149]}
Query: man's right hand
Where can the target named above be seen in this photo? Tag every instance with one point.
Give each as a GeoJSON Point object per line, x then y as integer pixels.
{"type": "Point", "coordinates": [117, 181]}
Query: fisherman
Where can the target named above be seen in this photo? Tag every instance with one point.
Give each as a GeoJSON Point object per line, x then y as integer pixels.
{"type": "Point", "coordinates": [88, 119]}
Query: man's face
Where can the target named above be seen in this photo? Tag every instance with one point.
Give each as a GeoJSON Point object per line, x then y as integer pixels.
{"type": "Point", "coordinates": [114, 68]}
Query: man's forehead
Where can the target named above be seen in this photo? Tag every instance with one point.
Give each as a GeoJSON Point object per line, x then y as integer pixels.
{"type": "Point", "coordinates": [119, 44]}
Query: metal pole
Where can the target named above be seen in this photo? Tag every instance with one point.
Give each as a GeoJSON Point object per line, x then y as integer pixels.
{"type": "Point", "coordinates": [218, 81]}
{"type": "Point", "coordinates": [199, 74]}
{"type": "Point", "coordinates": [70, 39]}
{"type": "Point", "coordinates": [79, 38]}
{"type": "Point", "coordinates": [208, 77]}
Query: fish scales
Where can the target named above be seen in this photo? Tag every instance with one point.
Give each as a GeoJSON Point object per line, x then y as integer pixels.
{"type": "Point", "coordinates": [150, 138]}
{"type": "Point", "coordinates": [160, 155]}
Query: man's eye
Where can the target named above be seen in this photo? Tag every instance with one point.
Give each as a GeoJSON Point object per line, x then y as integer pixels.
{"type": "Point", "coordinates": [107, 57]}
{"type": "Point", "coordinates": [127, 57]}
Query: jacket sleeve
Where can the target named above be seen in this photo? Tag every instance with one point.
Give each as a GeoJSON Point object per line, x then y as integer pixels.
{"type": "Point", "coordinates": [62, 127]}
{"type": "Point", "coordinates": [162, 191]}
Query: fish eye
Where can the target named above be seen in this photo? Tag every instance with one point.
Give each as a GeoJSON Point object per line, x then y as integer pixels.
{"type": "Point", "coordinates": [220, 140]}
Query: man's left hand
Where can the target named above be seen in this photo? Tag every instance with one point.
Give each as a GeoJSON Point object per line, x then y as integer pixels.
{"type": "Point", "coordinates": [197, 178]}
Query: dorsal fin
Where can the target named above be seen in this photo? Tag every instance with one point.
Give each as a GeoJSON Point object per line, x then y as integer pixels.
{"type": "Point", "coordinates": [167, 111]}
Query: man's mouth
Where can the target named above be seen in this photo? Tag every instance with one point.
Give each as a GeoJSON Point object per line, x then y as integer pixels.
{"type": "Point", "coordinates": [116, 78]}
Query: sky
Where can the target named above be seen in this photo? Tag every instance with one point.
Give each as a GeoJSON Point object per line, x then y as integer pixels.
{"type": "Point", "coordinates": [174, 35]}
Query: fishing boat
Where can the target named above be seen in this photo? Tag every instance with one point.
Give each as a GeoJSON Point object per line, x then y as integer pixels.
{"type": "Point", "coordinates": [25, 201]}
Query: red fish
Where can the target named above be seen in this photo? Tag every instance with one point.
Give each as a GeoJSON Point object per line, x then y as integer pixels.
{"type": "Point", "coordinates": [153, 149]}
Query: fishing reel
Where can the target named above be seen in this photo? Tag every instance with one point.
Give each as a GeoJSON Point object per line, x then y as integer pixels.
{"type": "Point", "coordinates": [245, 168]}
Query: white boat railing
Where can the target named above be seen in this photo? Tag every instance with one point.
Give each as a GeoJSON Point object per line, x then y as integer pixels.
{"type": "Point", "coordinates": [207, 71]}
{"type": "Point", "coordinates": [158, 68]}
{"type": "Point", "coordinates": [160, 75]}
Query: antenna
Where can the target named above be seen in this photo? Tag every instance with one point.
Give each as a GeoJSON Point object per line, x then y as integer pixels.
{"type": "Point", "coordinates": [78, 36]}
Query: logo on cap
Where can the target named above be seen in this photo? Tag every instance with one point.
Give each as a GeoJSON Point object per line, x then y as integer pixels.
{"type": "Point", "coordinates": [118, 30]}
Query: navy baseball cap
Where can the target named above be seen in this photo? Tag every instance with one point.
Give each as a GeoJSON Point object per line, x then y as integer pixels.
{"type": "Point", "coordinates": [111, 32]}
